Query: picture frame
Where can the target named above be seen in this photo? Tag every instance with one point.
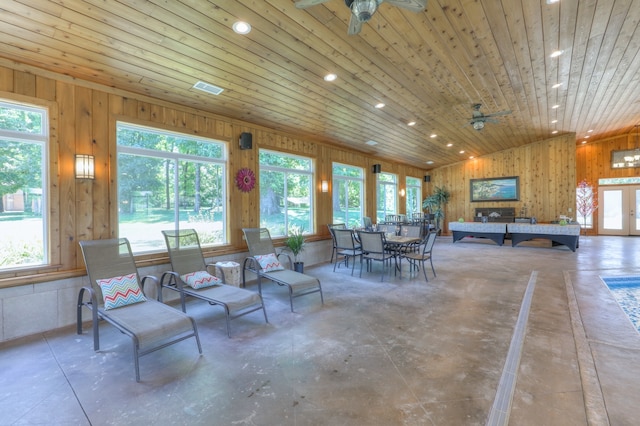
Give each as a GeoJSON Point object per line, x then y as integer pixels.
{"type": "Point", "coordinates": [495, 189]}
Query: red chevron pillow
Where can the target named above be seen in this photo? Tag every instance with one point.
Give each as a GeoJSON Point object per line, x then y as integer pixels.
{"type": "Point", "coordinates": [200, 279]}
{"type": "Point", "coordinates": [121, 291]}
{"type": "Point", "coordinates": [269, 262]}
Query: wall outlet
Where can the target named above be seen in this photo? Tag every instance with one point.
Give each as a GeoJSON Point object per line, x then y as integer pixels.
{"type": "Point", "coordinates": [569, 209]}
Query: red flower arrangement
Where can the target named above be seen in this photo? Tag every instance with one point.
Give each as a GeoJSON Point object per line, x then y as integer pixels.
{"type": "Point", "coordinates": [245, 179]}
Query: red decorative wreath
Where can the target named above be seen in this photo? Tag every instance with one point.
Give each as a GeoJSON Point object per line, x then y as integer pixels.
{"type": "Point", "coordinates": [245, 179]}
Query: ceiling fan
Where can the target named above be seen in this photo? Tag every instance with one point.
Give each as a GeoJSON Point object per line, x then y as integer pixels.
{"type": "Point", "coordinates": [363, 10]}
{"type": "Point", "coordinates": [478, 119]}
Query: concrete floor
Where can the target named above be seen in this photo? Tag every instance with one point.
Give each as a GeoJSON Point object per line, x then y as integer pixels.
{"type": "Point", "coordinates": [397, 352]}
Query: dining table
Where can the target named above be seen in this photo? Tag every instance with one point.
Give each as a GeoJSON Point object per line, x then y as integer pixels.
{"type": "Point", "coordinates": [398, 243]}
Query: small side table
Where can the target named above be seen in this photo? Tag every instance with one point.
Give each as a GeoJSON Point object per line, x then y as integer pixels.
{"type": "Point", "coordinates": [230, 272]}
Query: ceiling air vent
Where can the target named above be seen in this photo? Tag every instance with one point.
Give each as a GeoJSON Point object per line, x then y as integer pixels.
{"type": "Point", "coordinates": [209, 88]}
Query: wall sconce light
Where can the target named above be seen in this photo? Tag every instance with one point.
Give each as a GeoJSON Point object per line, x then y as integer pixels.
{"type": "Point", "coordinates": [377, 168]}
{"type": "Point", "coordinates": [325, 186]}
{"type": "Point", "coordinates": [85, 166]}
{"type": "Point", "coordinates": [402, 192]}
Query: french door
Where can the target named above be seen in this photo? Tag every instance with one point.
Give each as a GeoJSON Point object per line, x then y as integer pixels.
{"type": "Point", "coordinates": [619, 211]}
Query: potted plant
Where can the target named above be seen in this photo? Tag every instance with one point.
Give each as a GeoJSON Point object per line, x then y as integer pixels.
{"type": "Point", "coordinates": [435, 203]}
{"type": "Point", "coordinates": [295, 243]}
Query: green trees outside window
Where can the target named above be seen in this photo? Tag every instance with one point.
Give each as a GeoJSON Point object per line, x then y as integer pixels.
{"type": "Point", "coordinates": [387, 196]}
{"type": "Point", "coordinates": [24, 137]}
{"type": "Point", "coordinates": [347, 196]}
{"type": "Point", "coordinates": [286, 192]}
{"type": "Point", "coordinates": [169, 180]}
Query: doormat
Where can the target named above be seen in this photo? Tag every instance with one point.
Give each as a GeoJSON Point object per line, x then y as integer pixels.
{"type": "Point", "coordinates": [626, 291]}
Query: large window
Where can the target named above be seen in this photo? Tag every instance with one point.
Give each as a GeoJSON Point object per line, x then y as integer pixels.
{"type": "Point", "coordinates": [286, 188]}
{"type": "Point", "coordinates": [348, 184]}
{"type": "Point", "coordinates": [24, 137]}
{"type": "Point", "coordinates": [169, 181]}
{"type": "Point", "coordinates": [414, 196]}
{"type": "Point", "coordinates": [387, 196]}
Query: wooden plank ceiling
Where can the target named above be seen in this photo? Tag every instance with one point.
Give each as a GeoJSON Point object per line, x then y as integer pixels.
{"type": "Point", "coordinates": [428, 67]}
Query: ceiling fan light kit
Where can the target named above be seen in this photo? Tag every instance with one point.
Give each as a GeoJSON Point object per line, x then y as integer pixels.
{"type": "Point", "coordinates": [478, 125]}
{"type": "Point", "coordinates": [364, 9]}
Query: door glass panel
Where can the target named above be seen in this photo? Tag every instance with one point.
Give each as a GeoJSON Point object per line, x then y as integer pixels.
{"type": "Point", "coordinates": [612, 214]}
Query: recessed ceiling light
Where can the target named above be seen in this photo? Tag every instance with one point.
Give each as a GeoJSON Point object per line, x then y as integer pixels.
{"type": "Point", "coordinates": [555, 86]}
{"type": "Point", "coordinates": [241, 27]}
{"type": "Point", "coordinates": [430, 162]}
{"type": "Point", "coordinates": [330, 77]}
{"type": "Point", "coordinates": [372, 143]}
{"type": "Point", "coordinates": [209, 88]}
{"type": "Point", "coordinates": [555, 106]}
{"type": "Point", "coordinates": [556, 53]}
{"type": "Point", "coordinates": [554, 121]}
{"type": "Point", "coordinates": [552, 1]}
{"type": "Point", "coordinates": [433, 135]}
{"type": "Point", "coordinates": [462, 151]}
{"type": "Point", "coordinates": [411, 123]}
{"type": "Point", "coordinates": [587, 136]}
{"type": "Point", "coordinates": [471, 157]}
{"type": "Point", "coordinates": [584, 142]}
{"type": "Point", "coordinates": [449, 144]}
{"type": "Point", "coordinates": [380, 105]}
{"type": "Point", "coordinates": [590, 130]}
{"type": "Point", "coordinates": [554, 132]}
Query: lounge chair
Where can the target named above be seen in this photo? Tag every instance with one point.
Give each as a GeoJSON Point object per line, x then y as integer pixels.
{"type": "Point", "coordinates": [116, 295]}
{"type": "Point", "coordinates": [264, 262]}
{"type": "Point", "coordinates": [189, 277]}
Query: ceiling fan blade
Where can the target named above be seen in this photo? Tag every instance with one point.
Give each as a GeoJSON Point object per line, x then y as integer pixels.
{"type": "Point", "coordinates": [303, 4]}
{"type": "Point", "coordinates": [490, 120]}
{"type": "Point", "coordinates": [412, 5]}
{"type": "Point", "coordinates": [495, 114]}
{"type": "Point", "coordinates": [355, 25]}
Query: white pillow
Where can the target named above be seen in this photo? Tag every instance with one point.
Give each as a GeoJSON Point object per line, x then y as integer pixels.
{"type": "Point", "coordinates": [269, 262]}
{"type": "Point", "coordinates": [200, 279]}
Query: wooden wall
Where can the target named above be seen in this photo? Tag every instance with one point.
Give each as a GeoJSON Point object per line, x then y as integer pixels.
{"type": "Point", "coordinates": [593, 161]}
{"type": "Point", "coordinates": [547, 179]}
{"type": "Point", "coordinates": [83, 117]}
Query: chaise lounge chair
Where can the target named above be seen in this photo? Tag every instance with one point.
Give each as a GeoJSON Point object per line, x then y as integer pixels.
{"type": "Point", "coordinates": [189, 277]}
{"type": "Point", "coordinates": [116, 296]}
{"type": "Point", "coordinates": [264, 262]}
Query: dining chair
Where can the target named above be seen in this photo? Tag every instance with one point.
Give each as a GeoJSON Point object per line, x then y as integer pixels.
{"type": "Point", "coordinates": [421, 256]}
{"type": "Point", "coordinates": [331, 227]}
{"type": "Point", "coordinates": [373, 249]}
{"type": "Point", "coordinates": [347, 247]}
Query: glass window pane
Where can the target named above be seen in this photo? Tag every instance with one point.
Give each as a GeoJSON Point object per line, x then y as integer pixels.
{"type": "Point", "coordinates": [23, 183]}
{"type": "Point", "coordinates": [286, 192]}
{"type": "Point", "coordinates": [169, 181]}
{"type": "Point", "coordinates": [348, 184]}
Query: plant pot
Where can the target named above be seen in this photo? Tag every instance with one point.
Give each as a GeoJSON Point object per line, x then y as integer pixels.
{"type": "Point", "coordinates": [298, 267]}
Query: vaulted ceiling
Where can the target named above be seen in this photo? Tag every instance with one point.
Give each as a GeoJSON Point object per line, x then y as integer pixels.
{"type": "Point", "coordinates": [429, 67]}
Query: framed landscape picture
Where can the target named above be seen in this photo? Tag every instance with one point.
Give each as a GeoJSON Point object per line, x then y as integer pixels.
{"type": "Point", "coordinates": [495, 189]}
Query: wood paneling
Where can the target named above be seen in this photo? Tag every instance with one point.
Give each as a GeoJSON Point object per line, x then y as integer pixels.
{"type": "Point", "coordinates": [546, 172]}
{"type": "Point", "coordinates": [429, 67]}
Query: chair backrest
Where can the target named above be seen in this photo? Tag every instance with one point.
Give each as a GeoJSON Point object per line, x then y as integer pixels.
{"type": "Point", "coordinates": [344, 239]}
{"type": "Point", "coordinates": [430, 240]}
{"type": "Point", "coordinates": [107, 259]}
{"type": "Point", "coordinates": [366, 222]}
{"type": "Point", "coordinates": [337, 225]}
{"type": "Point", "coordinates": [411, 231]}
{"type": "Point", "coordinates": [371, 242]}
{"type": "Point", "coordinates": [386, 228]}
{"type": "Point", "coordinates": [259, 241]}
{"type": "Point", "coordinates": [185, 252]}
{"type": "Point", "coordinates": [333, 226]}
